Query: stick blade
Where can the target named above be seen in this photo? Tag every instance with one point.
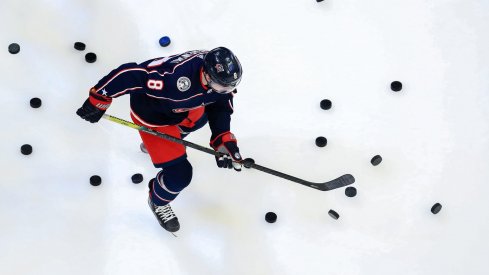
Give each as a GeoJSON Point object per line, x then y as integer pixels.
{"type": "Point", "coordinates": [337, 183]}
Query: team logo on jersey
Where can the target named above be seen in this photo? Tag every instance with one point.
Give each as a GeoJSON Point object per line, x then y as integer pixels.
{"type": "Point", "coordinates": [219, 68]}
{"type": "Point", "coordinates": [183, 84]}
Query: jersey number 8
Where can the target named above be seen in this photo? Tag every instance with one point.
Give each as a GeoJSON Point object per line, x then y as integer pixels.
{"type": "Point", "coordinates": [155, 84]}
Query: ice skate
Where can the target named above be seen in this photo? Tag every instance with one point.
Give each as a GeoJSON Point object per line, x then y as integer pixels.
{"type": "Point", "coordinates": [167, 219]}
{"type": "Point", "coordinates": [164, 214]}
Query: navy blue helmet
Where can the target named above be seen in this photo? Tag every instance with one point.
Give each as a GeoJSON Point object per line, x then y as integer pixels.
{"type": "Point", "coordinates": [223, 67]}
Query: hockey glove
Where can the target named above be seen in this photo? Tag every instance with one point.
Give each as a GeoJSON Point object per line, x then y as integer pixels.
{"type": "Point", "coordinates": [226, 144]}
{"type": "Point", "coordinates": [94, 107]}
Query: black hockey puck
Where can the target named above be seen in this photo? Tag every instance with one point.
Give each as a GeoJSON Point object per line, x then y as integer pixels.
{"type": "Point", "coordinates": [137, 178]}
{"type": "Point", "coordinates": [80, 46]}
{"type": "Point", "coordinates": [95, 180]}
{"type": "Point", "coordinates": [333, 214]}
{"type": "Point", "coordinates": [90, 57]}
{"type": "Point", "coordinates": [248, 162]}
{"type": "Point", "coordinates": [14, 48]}
{"type": "Point", "coordinates": [26, 149]}
{"type": "Point", "coordinates": [271, 217]}
{"type": "Point", "coordinates": [436, 208]}
{"type": "Point", "coordinates": [396, 86]}
{"type": "Point", "coordinates": [325, 104]}
{"type": "Point", "coordinates": [321, 141]}
{"type": "Point", "coordinates": [376, 160]}
{"type": "Point", "coordinates": [35, 102]}
{"type": "Point", "coordinates": [350, 191]}
{"type": "Point", "coordinates": [319, 1]}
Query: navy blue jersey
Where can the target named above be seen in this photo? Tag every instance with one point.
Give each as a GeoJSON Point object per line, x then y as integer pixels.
{"type": "Point", "coordinates": [163, 90]}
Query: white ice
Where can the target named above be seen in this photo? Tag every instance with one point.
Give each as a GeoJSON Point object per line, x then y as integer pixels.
{"type": "Point", "coordinates": [433, 137]}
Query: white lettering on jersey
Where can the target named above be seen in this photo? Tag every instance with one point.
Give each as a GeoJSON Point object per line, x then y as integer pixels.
{"type": "Point", "coordinates": [155, 84]}
{"type": "Point", "coordinates": [187, 55]}
{"type": "Point", "coordinates": [158, 62]}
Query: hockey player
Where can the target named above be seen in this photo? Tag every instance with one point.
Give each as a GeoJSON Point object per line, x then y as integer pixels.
{"type": "Point", "coordinates": [175, 95]}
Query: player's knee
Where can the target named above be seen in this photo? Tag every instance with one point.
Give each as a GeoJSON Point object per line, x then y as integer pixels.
{"type": "Point", "coordinates": [178, 176]}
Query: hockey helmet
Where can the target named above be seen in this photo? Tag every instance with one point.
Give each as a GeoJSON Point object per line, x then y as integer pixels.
{"type": "Point", "coordinates": [223, 67]}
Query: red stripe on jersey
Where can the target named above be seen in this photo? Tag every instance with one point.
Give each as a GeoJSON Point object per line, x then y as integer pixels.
{"type": "Point", "coordinates": [202, 78]}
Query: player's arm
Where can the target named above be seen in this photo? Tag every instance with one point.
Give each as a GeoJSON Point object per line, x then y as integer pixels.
{"type": "Point", "coordinates": [222, 140]}
{"type": "Point", "coordinates": [128, 78]}
{"type": "Point", "coordinates": [219, 116]}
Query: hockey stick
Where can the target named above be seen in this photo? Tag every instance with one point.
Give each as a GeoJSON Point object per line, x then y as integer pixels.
{"type": "Point", "coordinates": [323, 186]}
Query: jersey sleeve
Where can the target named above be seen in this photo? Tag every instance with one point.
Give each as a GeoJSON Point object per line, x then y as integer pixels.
{"type": "Point", "coordinates": [128, 78]}
{"type": "Point", "coordinates": [219, 116]}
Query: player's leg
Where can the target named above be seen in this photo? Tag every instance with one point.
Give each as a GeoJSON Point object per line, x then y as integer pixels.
{"type": "Point", "coordinates": [195, 120]}
{"type": "Point", "coordinates": [175, 176]}
{"type": "Point", "coordinates": [165, 188]}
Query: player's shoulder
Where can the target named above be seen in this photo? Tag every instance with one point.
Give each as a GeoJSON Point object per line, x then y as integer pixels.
{"type": "Point", "coordinates": [194, 55]}
{"type": "Point", "coordinates": [175, 60]}
{"type": "Point", "coordinates": [187, 63]}
{"type": "Point", "coordinates": [181, 78]}
{"type": "Point", "coordinates": [176, 65]}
